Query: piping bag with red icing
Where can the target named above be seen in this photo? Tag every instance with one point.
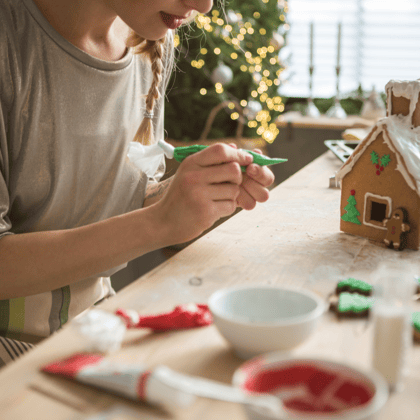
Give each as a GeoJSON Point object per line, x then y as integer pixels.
{"type": "Point", "coordinates": [104, 332]}
{"type": "Point", "coordinates": [160, 386]}
{"type": "Point", "coordinates": [183, 316]}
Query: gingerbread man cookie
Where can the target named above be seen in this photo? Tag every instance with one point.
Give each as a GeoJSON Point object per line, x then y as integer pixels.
{"type": "Point", "coordinates": [397, 229]}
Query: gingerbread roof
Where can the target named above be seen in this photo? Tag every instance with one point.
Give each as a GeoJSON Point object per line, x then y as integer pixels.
{"type": "Point", "coordinates": [399, 134]}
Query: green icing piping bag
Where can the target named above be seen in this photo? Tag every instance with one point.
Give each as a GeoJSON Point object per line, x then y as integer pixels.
{"type": "Point", "coordinates": [180, 153]}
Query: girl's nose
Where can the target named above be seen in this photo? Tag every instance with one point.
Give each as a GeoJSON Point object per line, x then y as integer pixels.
{"type": "Point", "coordinates": [202, 6]}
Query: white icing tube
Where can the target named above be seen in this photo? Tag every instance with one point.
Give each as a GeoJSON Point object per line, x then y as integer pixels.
{"type": "Point", "coordinates": [160, 386]}
{"type": "Point", "coordinates": [167, 148]}
{"type": "Point", "coordinates": [201, 387]}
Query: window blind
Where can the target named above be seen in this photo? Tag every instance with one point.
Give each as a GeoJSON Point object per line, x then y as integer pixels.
{"type": "Point", "coordinates": [380, 41]}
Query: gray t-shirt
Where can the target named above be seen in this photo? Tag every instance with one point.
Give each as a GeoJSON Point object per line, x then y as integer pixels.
{"type": "Point", "coordinates": [66, 120]}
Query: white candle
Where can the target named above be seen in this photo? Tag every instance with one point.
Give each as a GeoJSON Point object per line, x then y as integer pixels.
{"type": "Point", "coordinates": [312, 44]}
{"type": "Point", "coordinates": [339, 45]}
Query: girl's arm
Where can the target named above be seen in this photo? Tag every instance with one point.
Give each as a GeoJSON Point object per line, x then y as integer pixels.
{"type": "Point", "coordinates": [155, 191]}
{"type": "Point", "coordinates": [37, 262]}
{"type": "Point", "coordinates": [204, 189]}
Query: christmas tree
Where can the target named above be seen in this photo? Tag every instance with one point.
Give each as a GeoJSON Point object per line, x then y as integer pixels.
{"type": "Point", "coordinates": [229, 56]}
{"type": "Point", "coordinates": [352, 212]}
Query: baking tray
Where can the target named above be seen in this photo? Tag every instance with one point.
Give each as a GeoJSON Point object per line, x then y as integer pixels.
{"type": "Point", "coordinates": [342, 148]}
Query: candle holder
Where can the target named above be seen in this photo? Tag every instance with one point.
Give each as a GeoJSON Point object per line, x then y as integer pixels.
{"type": "Point", "coordinates": [311, 110]}
{"type": "Point", "coordinates": [336, 111]}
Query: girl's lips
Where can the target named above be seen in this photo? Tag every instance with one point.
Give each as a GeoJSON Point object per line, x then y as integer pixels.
{"type": "Point", "coordinates": [171, 21]}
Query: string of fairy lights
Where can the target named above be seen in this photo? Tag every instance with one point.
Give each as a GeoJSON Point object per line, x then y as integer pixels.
{"type": "Point", "coordinates": [233, 33]}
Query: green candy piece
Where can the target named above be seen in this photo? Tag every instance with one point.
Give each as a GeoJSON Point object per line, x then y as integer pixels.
{"type": "Point", "coordinates": [180, 153]}
{"type": "Point", "coordinates": [353, 302]}
{"type": "Point", "coordinates": [415, 319]}
{"type": "Point", "coordinates": [355, 284]}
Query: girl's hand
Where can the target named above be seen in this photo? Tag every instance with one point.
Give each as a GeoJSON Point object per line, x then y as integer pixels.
{"type": "Point", "coordinates": [254, 186]}
{"type": "Point", "coordinates": [205, 188]}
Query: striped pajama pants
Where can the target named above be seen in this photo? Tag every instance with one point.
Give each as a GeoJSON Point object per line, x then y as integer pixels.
{"type": "Point", "coordinates": [12, 349]}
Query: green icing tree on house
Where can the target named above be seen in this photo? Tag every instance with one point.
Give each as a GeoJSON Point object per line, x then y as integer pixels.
{"type": "Point", "coordinates": [229, 56]}
{"type": "Point", "coordinates": [352, 212]}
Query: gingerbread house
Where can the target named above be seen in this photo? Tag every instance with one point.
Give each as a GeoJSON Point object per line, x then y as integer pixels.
{"type": "Point", "coordinates": [380, 182]}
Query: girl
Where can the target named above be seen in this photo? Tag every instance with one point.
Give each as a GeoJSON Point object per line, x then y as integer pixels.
{"type": "Point", "coordinates": [73, 209]}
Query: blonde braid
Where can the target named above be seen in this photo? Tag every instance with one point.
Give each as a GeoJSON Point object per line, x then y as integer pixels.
{"type": "Point", "coordinates": [154, 50]}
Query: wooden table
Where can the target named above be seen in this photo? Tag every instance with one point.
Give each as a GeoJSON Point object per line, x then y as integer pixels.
{"type": "Point", "coordinates": [293, 239]}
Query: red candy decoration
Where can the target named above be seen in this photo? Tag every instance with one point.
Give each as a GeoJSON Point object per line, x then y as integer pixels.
{"type": "Point", "coordinates": [378, 172]}
{"type": "Point", "coordinates": [352, 192]}
{"type": "Point", "coordinates": [182, 317]}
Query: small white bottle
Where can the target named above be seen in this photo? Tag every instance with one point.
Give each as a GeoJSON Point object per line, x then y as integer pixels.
{"type": "Point", "coordinates": [392, 331]}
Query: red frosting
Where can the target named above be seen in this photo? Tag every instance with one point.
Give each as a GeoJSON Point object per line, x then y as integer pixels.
{"type": "Point", "coordinates": [326, 390]}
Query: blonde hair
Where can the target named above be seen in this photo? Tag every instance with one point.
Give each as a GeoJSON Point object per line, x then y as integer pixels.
{"type": "Point", "coordinates": [154, 50]}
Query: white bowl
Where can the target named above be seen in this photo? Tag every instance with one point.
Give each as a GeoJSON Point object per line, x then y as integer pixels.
{"type": "Point", "coordinates": [322, 384]}
{"type": "Point", "coordinates": [261, 319]}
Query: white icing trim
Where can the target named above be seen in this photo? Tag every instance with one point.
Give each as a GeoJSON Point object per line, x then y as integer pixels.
{"type": "Point", "coordinates": [403, 141]}
{"type": "Point", "coordinates": [400, 167]}
{"type": "Point", "coordinates": [367, 195]}
{"type": "Point", "coordinates": [407, 89]}
{"type": "Point", "coordinates": [346, 168]}
{"type": "Point", "coordinates": [399, 134]}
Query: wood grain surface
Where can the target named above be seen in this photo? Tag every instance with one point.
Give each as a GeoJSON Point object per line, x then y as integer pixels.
{"type": "Point", "coordinates": [293, 239]}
